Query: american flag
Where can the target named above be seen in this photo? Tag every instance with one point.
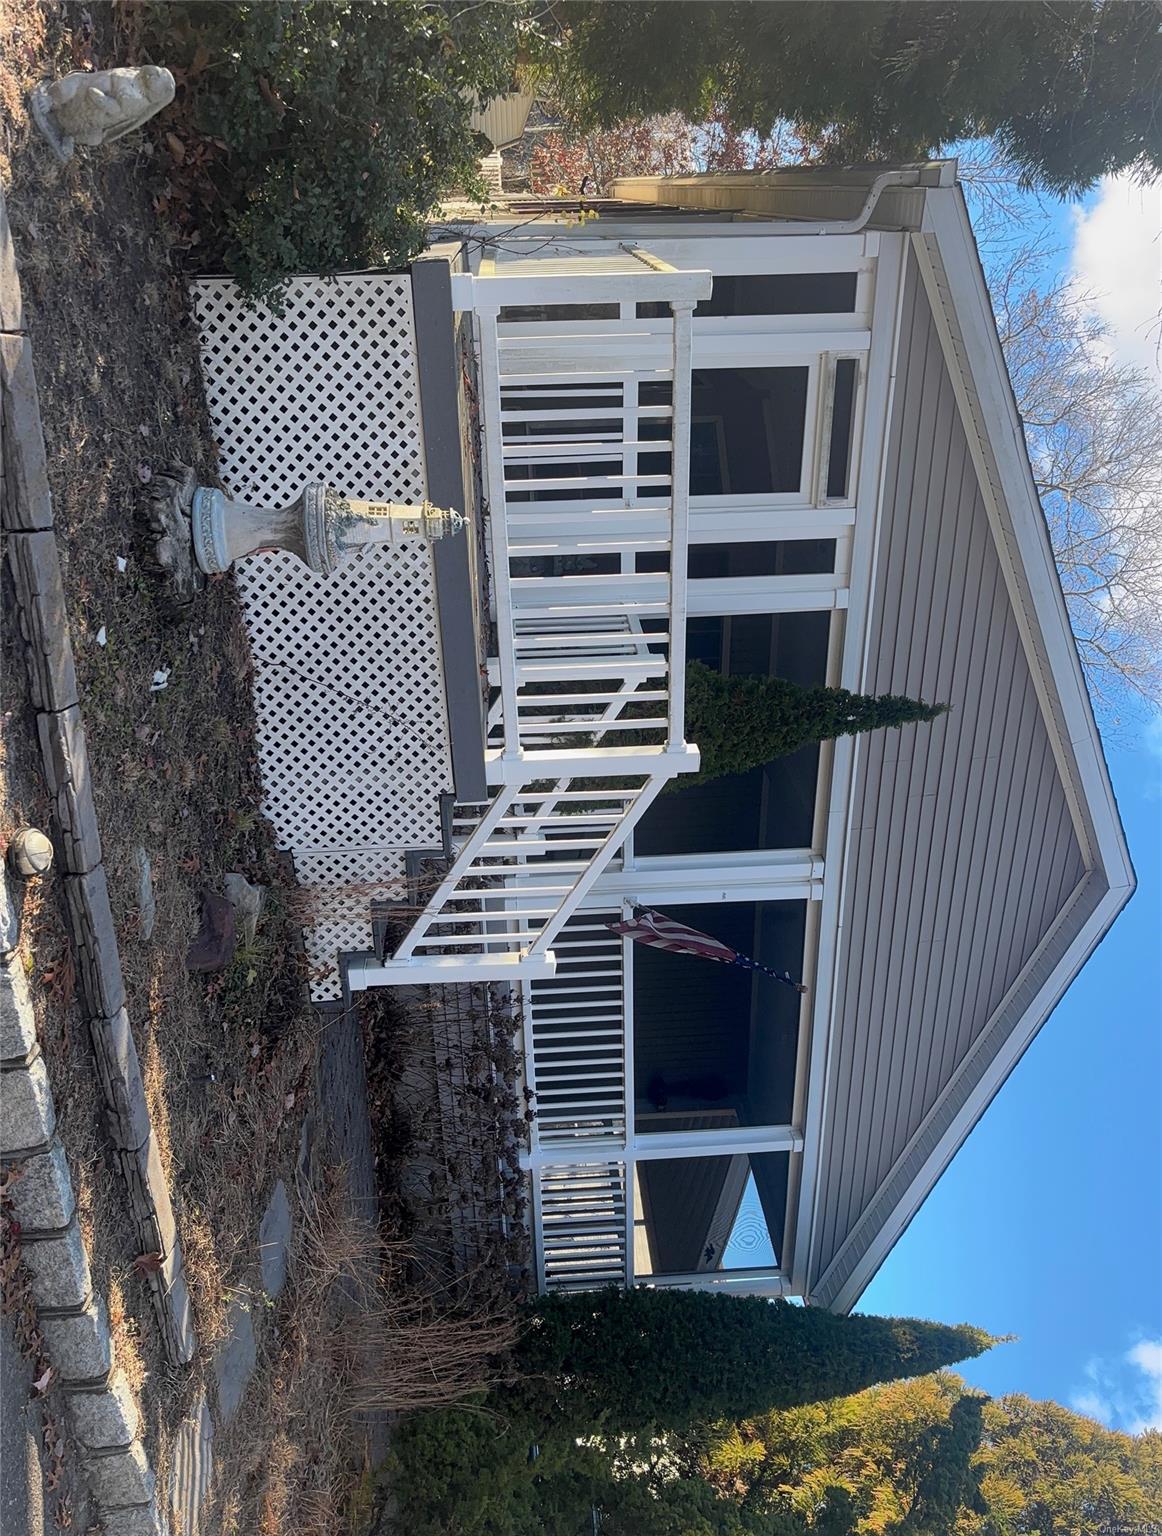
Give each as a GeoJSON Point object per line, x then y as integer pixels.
{"type": "Point", "coordinates": [661, 932]}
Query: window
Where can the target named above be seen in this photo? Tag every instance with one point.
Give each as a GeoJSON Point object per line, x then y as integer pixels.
{"type": "Point", "coordinates": [715, 1045]}
{"type": "Point", "coordinates": [772, 293]}
{"type": "Point", "coordinates": [514, 313]}
{"type": "Point", "coordinates": [769, 807]}
{"type": "Point", "coordinates": [564, 565]}
{"type": "Point", "coordinates": [793, 557]}
{"type": "Point", "coordinates": [842, 427]}
{"type": "Point", "coordinates": [709, 1214]}
{"type": "Point", "coordinates": [747, 431]}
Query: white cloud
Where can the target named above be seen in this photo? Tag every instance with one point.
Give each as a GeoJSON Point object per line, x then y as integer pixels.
{"type": "Point", "coordinates": [1117, 255]}
{"type": "Point", "coordinates": [1125, 1392]}
{"type": "Point", "coordinates": [1147, 1356]}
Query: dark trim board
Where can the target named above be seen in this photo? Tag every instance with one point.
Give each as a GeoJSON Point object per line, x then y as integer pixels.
{"type": "Point", "coordinates": [437, 356]}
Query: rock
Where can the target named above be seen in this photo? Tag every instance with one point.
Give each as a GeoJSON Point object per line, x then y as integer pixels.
{"type": "Point", "coordinates": [96, 107]}
{"type": "Point", "coordinates": [80, 1345]}
{"type": "Point", "coordinates": [66, 767]}
{"type": "Point", "coordinates": [126, 1111]}
{"type": "Point", "coordinates": [181, 1342]}
{"type": "Point", "coordinates": [168, 509]}
{"type": "Point", "coordinates": [248, 901]}
{"type": "Point", "coordinates": [273, 1238]}
{"type": "Point", "coordinates": [24, 494]}
{"type": "Point", "coordinates": [9, 916]}
{"type": "Point", "coordinates": [122, 1479]}
{"type": "Point", "coordinates": [217, 938]}
{"type": "Point", "coordinates": [146, 903]}
{"type": "Point", "coordinates": [27, 1116]}
{"type": "Point", "coordinates": [191, 1469]}
{"type": "Point", "coordinates": [17, 1019]}
{"type": "Point", "coordinates": [36, 574]}
{"type": "Point", "coordinates": [41, 1199]}
{"type": "Point", "coordinates": [30, 852]}
{"type": "Point", "coordinates": [136, 1520]}
{"type": "Point", "coordinates": [235, 1359]}
{"type": "Point", "coordinates": [95, 936]}
{"type": "Point", "coordinates": [106, 1419]}
{"type": "Point", "coordinates": [59, 1270]}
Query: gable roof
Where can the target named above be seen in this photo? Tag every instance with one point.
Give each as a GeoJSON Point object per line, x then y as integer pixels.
{"type": "Point", "coordinates": [993, 835]}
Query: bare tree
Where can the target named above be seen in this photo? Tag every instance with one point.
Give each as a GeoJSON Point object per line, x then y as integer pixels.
{"type": "Point", "coordinates": [1094, 431]}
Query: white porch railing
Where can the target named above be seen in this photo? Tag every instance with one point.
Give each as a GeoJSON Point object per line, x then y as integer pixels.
{"type": "Point", "coordinates": [578, 657]}
{"type": "Point", "coordinates": [576, 1042]}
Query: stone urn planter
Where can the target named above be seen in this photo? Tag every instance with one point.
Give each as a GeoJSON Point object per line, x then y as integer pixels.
{"type": "Point", "coordinates": [323, 528]}
{"type": "Point", "coordinates": [200, 532]}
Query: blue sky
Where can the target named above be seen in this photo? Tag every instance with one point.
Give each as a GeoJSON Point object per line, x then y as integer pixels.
{"type": "Point", "coordinates": [1048, 1224]}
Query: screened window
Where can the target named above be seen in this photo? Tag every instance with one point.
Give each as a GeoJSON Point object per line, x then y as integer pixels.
{"type": "Point", "coordinates": [772, 293]}
{"type": "Point", "coordinates": [772, 806]}
{"type": "Point", "coordinates": [791, 557]}
{"type": "Point", "coordinates": [715, 1045]}
{"type": "Point", "coordinates": [746, 434]}
{"type": "Point", "coordinates": [709, 1214]}
{"type": "Point", "coordinates": [842, 426]}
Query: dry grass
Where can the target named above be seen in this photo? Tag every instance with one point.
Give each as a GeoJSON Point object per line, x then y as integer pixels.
{"type": "Point", "coordinates": [349, 1336]}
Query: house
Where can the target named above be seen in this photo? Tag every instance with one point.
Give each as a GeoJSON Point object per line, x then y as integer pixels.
{"type": "Point", "coordinates": [762, 420]}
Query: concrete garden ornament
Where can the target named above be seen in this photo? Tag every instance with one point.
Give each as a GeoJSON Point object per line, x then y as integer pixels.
{"type": "Point", "coordinates": [322, 528]}
{"type": "Point", "coordinates": [93, 108]}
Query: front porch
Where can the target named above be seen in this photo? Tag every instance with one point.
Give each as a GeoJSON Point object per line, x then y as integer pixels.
{"type": "Point", "coordinates": [624, 523]}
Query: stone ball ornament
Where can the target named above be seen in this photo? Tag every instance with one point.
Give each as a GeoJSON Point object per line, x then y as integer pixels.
{"type": "Point", "coordinates": [30, 853]}
{"type": "Point", "coordinates": [95, 107]}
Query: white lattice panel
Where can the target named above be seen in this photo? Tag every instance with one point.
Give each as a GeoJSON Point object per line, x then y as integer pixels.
{"type": "Point", "coordinates": [349, 695]}
{"type": "Point", "coordinates": [349, 692]}
{"type": "Point", "coordinates": [326, 391]}
{"type": "Point", "coordinates": [340, 885]}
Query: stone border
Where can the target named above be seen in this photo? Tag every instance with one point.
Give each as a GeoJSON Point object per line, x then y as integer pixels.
{"type": "Point", "coordinates": [41, 1217]}
{"type": "Point", "coordinates": [74, 1321]}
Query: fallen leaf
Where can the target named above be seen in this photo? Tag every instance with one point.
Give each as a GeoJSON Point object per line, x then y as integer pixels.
{"type": "Point", "coordinates": [148, 1263]}
{"type": "Point", "coordinates": [289, 1101]}
{"type": "Point", "coordinates": [176, 148]}
{"type": "Point", "coordinates": [41, 1385]}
